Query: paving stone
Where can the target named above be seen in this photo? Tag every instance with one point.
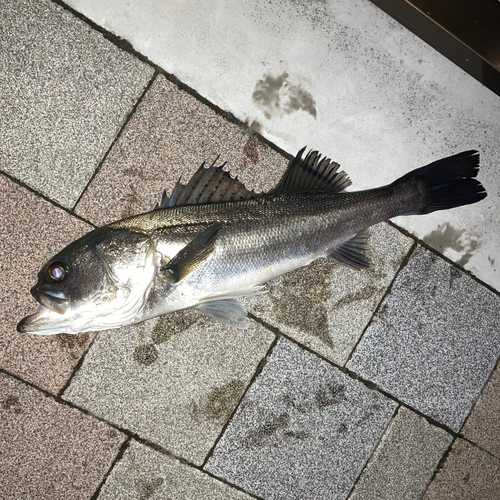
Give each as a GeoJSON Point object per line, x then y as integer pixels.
{"type": "Point", "coordinates": [174, 381]}
{"type": "Point", "coordinates": [434, 341]}
{"type": "Point", "coordinates": [326, 306]}
{"type": "Point", "coordinates": [49, 450]}
{"type": "Point", "coordinates": [405, 460]}
{"type": "Point", "coordinates": [468, 474]}
{"type": "Point", "coordinates": [143, 473]}
{"type": "Point", "coordinates": [169, 136]}
{"type": "Point", "coordinates": [303, 431]}
{"type": "Point", "coordinates": [66, 91]}
{"type": "Point", "coordinates": [31, 231]}
{"type": "Point", "coordinates": [483, 425]}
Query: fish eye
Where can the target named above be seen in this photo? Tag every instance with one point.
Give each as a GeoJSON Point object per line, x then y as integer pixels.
{"type": "Point", "coordinates": [58, 271]}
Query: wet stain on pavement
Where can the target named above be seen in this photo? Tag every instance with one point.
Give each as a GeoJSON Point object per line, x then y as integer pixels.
{"type": "Point", "coordinates": [11, 403]}
{"type": "Point", "coordinates": [261, 436]}
{"type": "Point", "coordinates": [329, 395]}
{"type": "Point", "coordinates": [173, 324]}
{"type": "Point", "coordinates": [305, 309]}
{"type": "Point", "coordinates": [75, 344]}
{"type": "Point", "coordinates": [148, 487]}
{"type": "Point", "coordinates": [219, 403]}
{"type": "Point", "coordinates": [276, 96]}
{"type": "Point", "coordinates": [145, 354]}
{"type": "Point", "coordinates": [445, 237]}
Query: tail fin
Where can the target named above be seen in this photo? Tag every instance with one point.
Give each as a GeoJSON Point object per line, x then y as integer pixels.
{"type": "Point", "coordinates": [449, 182]}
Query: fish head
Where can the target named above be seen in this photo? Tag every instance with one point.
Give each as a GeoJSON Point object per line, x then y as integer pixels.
{"type": "Point", "coordinates": [97, 282]}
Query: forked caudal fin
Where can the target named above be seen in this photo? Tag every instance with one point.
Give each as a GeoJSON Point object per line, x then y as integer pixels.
{"type": "Point", "coordinates": [448, 183]}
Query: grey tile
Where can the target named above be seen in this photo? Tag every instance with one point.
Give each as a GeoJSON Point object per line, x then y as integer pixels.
{"type": "Point", "coordinates": [169, 136]}
{"type": "Point", "coordinates": [66, 91]}
{"type": "Point", "coordinates": [483, 425]}
{"type": "Point", "coordinates": [49, 450]}
{"type": "Point", "coordinates": [143, 473]}
{"type": "Point", "coordinates": [326, 306]}
{"type": "Point", "coordinates": [304, 430]}
{"type": "Point", "coordinates": [468, 474]}
{"type": "Point", "coordinates": [434, 341]}
{"type": "Point", "coordinates": [32, 230]}
{"type": "Point", "coordinates": [405, 460]}
{"type": "Point", "coordinates": [174, 381]}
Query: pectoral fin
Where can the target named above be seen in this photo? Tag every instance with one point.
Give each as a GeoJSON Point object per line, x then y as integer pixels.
{"type": "Point", "coordinates": [192, 255]}
{"type": "Point", "coordinates": [227, 311]}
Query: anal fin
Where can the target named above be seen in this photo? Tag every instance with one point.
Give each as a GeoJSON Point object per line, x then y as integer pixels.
{"type": "Point", "coordinates": [353, 252]}
{"type": "Point", "coordinates": [227, 311]}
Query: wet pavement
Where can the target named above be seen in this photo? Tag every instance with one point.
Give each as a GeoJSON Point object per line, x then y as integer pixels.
{"type": "Point", "coordinates": [380, 384]}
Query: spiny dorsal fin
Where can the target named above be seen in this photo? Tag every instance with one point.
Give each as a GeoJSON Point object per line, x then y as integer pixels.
{"type": "Point", "coordinates": [353, 252]}
{"type": "Point", "coordinates": [312, 172]}
{"type": "Point", "coordinates": [192, 255]}
{"type": "Point", "coordinates": [208, 185]}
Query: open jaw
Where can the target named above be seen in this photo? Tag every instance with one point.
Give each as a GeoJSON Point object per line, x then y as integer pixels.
{"type": "Point", "coordinates": [44, 322]}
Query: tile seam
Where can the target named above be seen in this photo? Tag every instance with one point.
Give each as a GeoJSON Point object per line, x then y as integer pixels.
{"type": "Point", "coordinates": [126, 432]}
{"type": "Point", "coordinates": [115, 140]}
{"type": "Point", "coordinates": [119, 455]}
{"type": "Point", "coordinates": [367, 383]}
{"type": "Point", "coordinates": [446, 259]}
{"type": "Point", "coordinates": [403, 264]}
{"type": "Point", "coordinates": [256, 374]}
{"type": "Point", "coordinates": [126, 46]}
{"type": "Point", "coordinates": [396, 411]}
{"type": "Point", "coordinates": [45, 198]}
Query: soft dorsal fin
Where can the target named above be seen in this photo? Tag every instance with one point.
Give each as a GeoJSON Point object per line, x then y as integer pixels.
{"type": "Point", "coordinates": [312, 172]}
{"type": "Point", "coordinates": [208, 185]}
{"type": "Point", "coordinates": [353, 252]}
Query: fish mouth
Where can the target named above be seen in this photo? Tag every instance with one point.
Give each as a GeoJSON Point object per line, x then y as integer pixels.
{"type": "Point", "coordinates": [54, 301]}
{"type": "Point", "coordinates": [31, 324]}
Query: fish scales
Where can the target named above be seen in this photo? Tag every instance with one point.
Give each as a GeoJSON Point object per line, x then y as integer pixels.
{"type": "Point", "coordinates": [213, 240]}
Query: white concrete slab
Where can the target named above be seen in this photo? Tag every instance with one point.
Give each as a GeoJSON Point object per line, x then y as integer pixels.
{"type": "Point", "coordinates": [342, 77]}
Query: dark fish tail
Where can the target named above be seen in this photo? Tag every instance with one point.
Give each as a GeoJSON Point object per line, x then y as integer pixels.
{"type": "Point", "coordinates": [446, 183]}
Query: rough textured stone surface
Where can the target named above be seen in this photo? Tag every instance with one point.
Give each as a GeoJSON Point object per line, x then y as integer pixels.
{"type": "Point", "coordinates": [170, 136]}
{"type": "Point", "coordinates": [468, 474]}
{"type": "Point", "coordinates": [31, 231]}
{"type": "Point", "coordinates": [483, 424]}
{"type": "Point", "coordinates": [434, 341]}
{"type": "Point", "coordinates": [303, 431]}
{"type": "Point", "coordinates": [49, 450]}
{"type": "Point", "coordinates": [143, 473]}
{"type": "Point", "coordinates": [326, 306]}
{"type": "Point", "coordinates": [405, 460]}
{"type": "Point", "coordinates": [174, 381]}
{"type": "Point", "coordinates": [66, 91]}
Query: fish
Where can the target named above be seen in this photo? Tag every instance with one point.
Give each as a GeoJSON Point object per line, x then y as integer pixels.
{"type": "Point", "coordinates": [213, 240]}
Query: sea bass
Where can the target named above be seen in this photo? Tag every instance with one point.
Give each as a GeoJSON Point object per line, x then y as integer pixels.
{"type": "Point", "coordinates": [213, 240]}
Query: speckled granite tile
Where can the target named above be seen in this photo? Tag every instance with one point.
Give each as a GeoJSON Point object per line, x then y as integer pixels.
{"type": "Point", "coordinates": [304, 430]}
{"type": "Point", "coordinates": [405, 460]}
{"type": "Point", "coordinates": [174, 381]}
{"type": "Point", "coordinates": [468, 474]}
{"type": "Point", "coordinates": [169, 136]}
{"type": "Point", "coordinates": [31, 231]}
{"type": "Point", "coordinates": [145, 473]}
{"type": "Point", "coordinates": [326, 306]}
{"type": "Point", "coordinates": [483, 425]}
{"type": "Point", "coordinates": [66, 91]}
{"type": "Point", "coordinates": [435, 340]}
{"type": "Point", "coordinates": [49, 450]}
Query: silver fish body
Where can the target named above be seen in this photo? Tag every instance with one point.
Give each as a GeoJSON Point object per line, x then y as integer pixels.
{"type": "Point", "coordinates": [213, 240]}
